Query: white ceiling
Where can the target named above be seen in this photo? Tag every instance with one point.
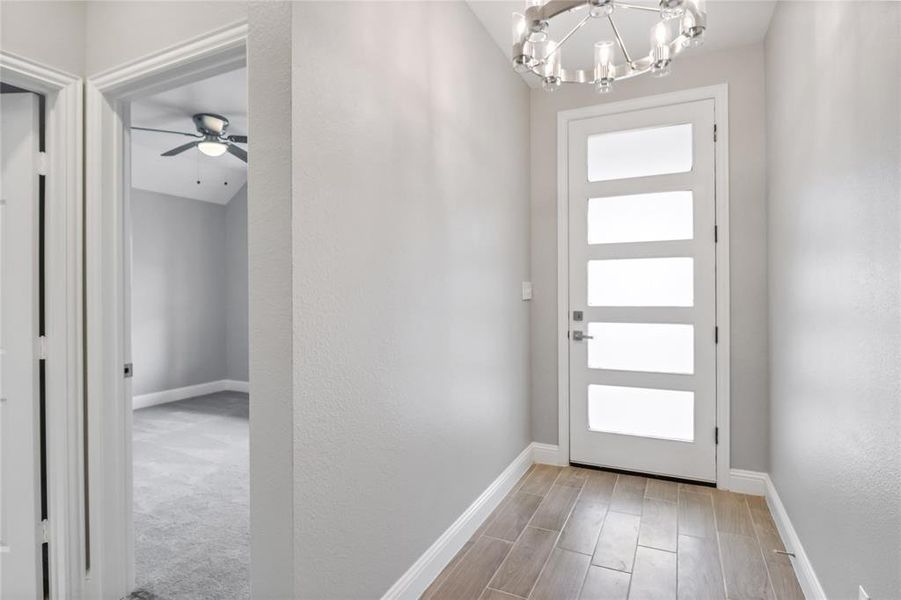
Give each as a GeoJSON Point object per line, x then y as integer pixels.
{"type": "Point", "coordinates": [730, 23]}
{"type": "Point", "coordinates": [225, 95]}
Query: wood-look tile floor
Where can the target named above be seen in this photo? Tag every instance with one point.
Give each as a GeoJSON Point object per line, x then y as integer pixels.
{"type": "Point", "coordinates": [580, 533]}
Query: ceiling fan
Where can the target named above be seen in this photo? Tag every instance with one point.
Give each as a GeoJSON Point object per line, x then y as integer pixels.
{"type": "Point", "coordinates": [213, 141]}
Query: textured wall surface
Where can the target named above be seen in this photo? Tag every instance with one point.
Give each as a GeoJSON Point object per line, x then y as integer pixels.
{"type": "Point", "coordinates": [411, 239]}
{"type": "Point", "coordinates": [178, 290]}
{"type": "Point", "coordinates": [742, 69]}
{"type": "Point", "coordinates": [236, 286]}
{"type": "Point", "coordinates": [118, 32]}
{"type": "Point", "coordinates": [269, 250]}
{"type": "Point", "coordinates": [51, 33]}
{"type": "Point", "coordinates": [834, 149]}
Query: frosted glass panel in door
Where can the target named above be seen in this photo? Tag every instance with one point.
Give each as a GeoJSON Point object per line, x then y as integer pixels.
{"type": "Point", "coordinates": [641, 282]}
{"type": "Point", "coordinates": [666, 414]}
{"type": "Point", "coordinates": [653, 347]}
{"type": "Point", "coordinates": [640, 218]}
{"type": "Point", "coordinates": [639, 153]}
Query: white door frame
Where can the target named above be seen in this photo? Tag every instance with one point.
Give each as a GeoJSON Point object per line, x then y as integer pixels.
{"type": "Point", "coordinates": [63, 309]}
{"type": "Point", "coordinates": [107, 291]}
{"type": "Point", "coordinates": [719, 94]}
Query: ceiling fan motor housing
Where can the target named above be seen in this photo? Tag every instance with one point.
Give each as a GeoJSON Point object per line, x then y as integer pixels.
{"type": "Point", "coordinates": [210, 124]}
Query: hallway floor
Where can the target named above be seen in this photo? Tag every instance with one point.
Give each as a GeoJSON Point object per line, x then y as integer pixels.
{"type": "Point", "coordinates": [191, 499]}
{"type": "Point", "coordinates": [580, 533]}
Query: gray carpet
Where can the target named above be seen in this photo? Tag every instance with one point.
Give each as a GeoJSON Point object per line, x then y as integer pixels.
{"type": "Point", "coordinates": [191, 499]}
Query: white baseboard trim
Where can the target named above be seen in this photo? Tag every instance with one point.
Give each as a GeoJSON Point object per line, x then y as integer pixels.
{"type": "Point", "coordinates": [546, 454]}
{"type": "Point", "coordinates": [190, 391]}
{"type": "Point", "coordinates": [419, 576]}
{"type": "Point", "coordinates": [752, 483]}
{"type": "Point", "coordinates": [807, 578]}
{"type": "Point", "coordinates": [234, 385]}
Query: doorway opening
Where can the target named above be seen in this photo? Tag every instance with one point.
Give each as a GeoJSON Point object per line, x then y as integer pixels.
{"type": "Point", "coordinates": [186, 337]}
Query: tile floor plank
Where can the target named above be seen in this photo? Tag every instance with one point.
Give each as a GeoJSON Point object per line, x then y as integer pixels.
{"type": "Point", "coordinates": [732, 513]}
{"type": "Point", "coordinates": [699, 574]}
{"type": "Point", "coordinates": [562, 576]}
{"type": "Point", "coordinates": [628, 494]}
{"type": "Point", "coordinates": [654, 577]}
{"type": "Point", "coordinates": [662, 490]}
{"type": "Point", "coordinates": [658, 525]}
{"type": "Point", "coordinates": [616, 544]}
{"type": "Point", "coordinates": [430, 591]}
{"type": "Point", "coordinates": [555, 508]}
{"type": "Point", "coordinates": [523, 564]}
{"type": "Point", "coordinates": [490, 594]}
{"type": "Point", "coordinates": [743, 568]}
{"type": "Point", "coordinates": [599, 486]}
{"type": "Point", "coordinates": [474, 571]}
{"type": "Point", "coordinates": [605, 584]}
{"type": "Point", "coordinates": [785, 582]}
{"type": "Point", "coordinates": [697, 489]}
{"type": "Point", "coordinates": [696, 515]}
{"type": "Point", "coordinates": [540, 480]}
{"type": "Point", "coordinates": [572, 476]}
{"type": "Point", "coordinates": [510, 522]}
{"type": "Point", "coordinates": [583, 527]}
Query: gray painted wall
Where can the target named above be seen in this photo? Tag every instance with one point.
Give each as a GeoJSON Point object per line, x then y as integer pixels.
{"type": "Point", "coordinates": [269, 236]}
{"type": "Point", "coordinates": [834, 149]}
{"type": "Point", "coordinates": [52, 33]}
{"type": "Point", "coordinates": [118, 32]}
{"type": "Point", "coordinates": [236, 286]}
{"type": "Point", "coordinates": [411, 221]}
{"type": "Point", "coordinates": [178, 286]}
{"type": "Point", "coordinates": [742, 68]}
{"type": "Point", "coordinates": [181, 305]}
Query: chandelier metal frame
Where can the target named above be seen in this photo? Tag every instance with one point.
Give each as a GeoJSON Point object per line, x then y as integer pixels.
{"type": "Point", "coordinates": [530, 31]}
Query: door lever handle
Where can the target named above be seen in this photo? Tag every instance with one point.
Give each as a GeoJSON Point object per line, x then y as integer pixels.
{"type": "Point", "coordinates": [578, 336]}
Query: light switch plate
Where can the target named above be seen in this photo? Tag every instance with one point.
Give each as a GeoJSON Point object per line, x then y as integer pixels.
{"type": "Point", "coordinates": [526, 290]}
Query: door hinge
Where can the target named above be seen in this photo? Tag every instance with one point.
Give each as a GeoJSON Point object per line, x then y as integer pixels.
{"type": "Point", "coordinates": [41, 348]}
{"type": "Point", "coordinates": [45, 532]}
{"type": "Point", "coordinates": [716, 435]}
{"type": "Point", "coordinates": [716, 234]}
{"type": "Point", "coordinates": [714, 132]}
{"type": "Point", "coordinates": [42, 163]}
{"type": "Point", "coordinates": [716, 335]}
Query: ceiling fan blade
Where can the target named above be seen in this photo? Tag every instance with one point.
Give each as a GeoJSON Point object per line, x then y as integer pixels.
{"type": "Point", "coordinates": [239, 152]}
{"type": "Point", "coordinates": [180, 149]}
{"type": "Point", "coordinates": [194, 135]}
{"type": "Point", "coordinates": [241, 139]}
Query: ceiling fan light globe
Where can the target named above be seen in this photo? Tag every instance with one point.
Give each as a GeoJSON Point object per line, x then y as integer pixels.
{"type": "Point", "coordinates": [212, 148]}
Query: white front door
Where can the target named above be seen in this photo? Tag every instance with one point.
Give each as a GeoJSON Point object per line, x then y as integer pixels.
{"type": "Point", "coordinates": [642, 303]}
{"type": "Point", "coordinates": [20, 542]}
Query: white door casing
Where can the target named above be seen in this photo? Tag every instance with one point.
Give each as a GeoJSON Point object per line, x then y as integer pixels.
{"type": "Point", "coordinates": [20, 516]}
{"type": "Point", "coordinates": [617, 323]}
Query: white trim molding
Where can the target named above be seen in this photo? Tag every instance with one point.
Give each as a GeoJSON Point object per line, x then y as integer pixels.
{"type": "Point", "coordinates": [807, 577]}
{"type": "Point", "coordinates": [547, 454]}
{"type": "Point", "coordinates": [720, 95]}
{"type": "Point", "coordinates": [424, 571]}
{"type": "Point", "coordinates": [752, 483]}
{"type": "Point", "coordinates": [189, 391]}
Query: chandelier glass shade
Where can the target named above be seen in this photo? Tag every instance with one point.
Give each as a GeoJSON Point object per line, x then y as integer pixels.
{"type": "Point", "coordinates": [681, 25]}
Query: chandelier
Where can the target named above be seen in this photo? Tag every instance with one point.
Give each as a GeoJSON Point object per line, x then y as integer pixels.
{"type": "Point", "coordinates": [681, 25]}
